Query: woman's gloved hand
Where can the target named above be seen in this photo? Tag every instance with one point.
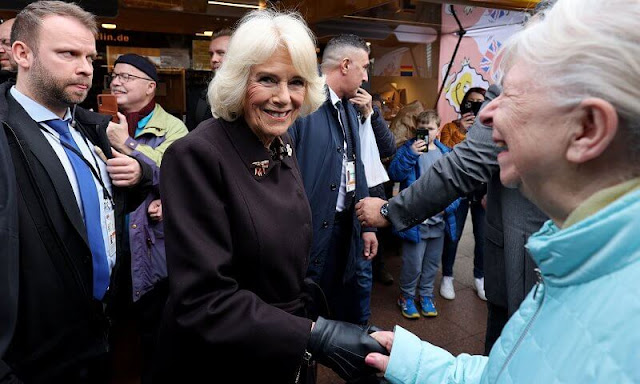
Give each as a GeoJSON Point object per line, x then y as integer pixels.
{"type": "Point", "coordinates": [342, 347]}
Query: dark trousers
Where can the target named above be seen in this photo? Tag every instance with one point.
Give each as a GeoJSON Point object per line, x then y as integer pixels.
{"type": "Point", "coordinates": [378, 261]}
{"type": "Point", "coordinates": [341, 295]}
{"type": "Point", "coordinates": [451, 247]}
{"type": "Point", "coordinates": [497, 317]}
{"type": "Point", "coordinates": [135, 337]}
{"type": "Point", "coordinates": [96, 370]}
{"type": "Point", "coordinates": [149, 315]}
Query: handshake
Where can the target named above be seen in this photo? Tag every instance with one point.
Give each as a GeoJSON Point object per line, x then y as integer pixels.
{"type": "Point", "coordinates": [342, 347]}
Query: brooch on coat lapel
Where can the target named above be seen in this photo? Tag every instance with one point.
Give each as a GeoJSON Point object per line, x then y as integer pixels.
{"type": "Point", "coordinates": [260, 167]}
{"type": "Point", "coordinates": [278, 152]}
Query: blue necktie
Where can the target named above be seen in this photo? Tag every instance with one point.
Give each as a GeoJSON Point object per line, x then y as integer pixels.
{"type": "Point", "coordinates": [90, 207]}
{"type": "Point", "coordinates": [346, 129]}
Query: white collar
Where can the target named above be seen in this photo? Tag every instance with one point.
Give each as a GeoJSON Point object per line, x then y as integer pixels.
{"type": "Point", "coordinates": [334, 97]}
{"type": "Point", "coordinates": [35, 110]}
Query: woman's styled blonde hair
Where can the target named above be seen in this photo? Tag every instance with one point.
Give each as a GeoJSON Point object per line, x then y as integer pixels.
{"type": "Point", "coordinates": [256, 38]}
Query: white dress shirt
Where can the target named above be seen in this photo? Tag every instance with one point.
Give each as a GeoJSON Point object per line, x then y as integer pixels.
{"type": "Point", "coordinates": [373, 169]}
{"type": "Point", "coordinates": [342, 192]}
{"type": "Point", "coordinates": [40, 114]}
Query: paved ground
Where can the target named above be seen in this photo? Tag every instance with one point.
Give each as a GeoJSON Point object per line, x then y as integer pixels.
{"type": "Point", "coordinates": [460, 324]}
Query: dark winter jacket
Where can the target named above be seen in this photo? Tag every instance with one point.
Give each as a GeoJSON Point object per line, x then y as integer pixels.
{"type": "Point", "coordinates": [51, 327]}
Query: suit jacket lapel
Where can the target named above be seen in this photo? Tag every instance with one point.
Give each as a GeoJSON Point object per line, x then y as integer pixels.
{"type": "Point", "coordinates": [94, 128]}
{"type": "Point", "coordinates": [32, 135]}
{"type": "Point", "coordinates": [333, 123]}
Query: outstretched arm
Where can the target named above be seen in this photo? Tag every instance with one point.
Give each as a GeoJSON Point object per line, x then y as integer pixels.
{"type": "Point", "coordinates": [415, 361]}
{"type": "Point", "coordinates": [460, 172]}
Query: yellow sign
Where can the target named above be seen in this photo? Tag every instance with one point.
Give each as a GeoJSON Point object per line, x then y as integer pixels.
{"type": "Point", "coordinates": [200, 55]}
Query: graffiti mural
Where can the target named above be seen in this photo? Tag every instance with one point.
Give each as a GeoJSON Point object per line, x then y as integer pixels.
{"type": "Point", "coordinates": [460, 82]}
{"type": "Point", "coordinates": [477, 61]}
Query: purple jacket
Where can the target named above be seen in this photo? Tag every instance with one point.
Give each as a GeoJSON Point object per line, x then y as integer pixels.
{"type": "Point", "coordinates": [146, 237]}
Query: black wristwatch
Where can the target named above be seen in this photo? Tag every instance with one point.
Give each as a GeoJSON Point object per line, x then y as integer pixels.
{"type": "Point", "coordinates": [375, 113]}
{"type": "Point", "coordinates": [384, 211]}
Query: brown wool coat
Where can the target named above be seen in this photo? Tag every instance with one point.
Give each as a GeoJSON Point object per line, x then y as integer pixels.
{"type": "Point", "coordinates": [237, 251]}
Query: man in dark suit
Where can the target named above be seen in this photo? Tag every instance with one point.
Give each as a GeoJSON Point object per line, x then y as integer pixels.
{"type": "Point", "coordinates": [217, 51]}
{"type": "Point", "coordinates": [7, 64]}
{"type": "Point", "coordinates": [511, 218]}
{"type": "Point", "coordinates": [72, 192]}
{"type": "Point", "coordinates": [328, 150]}
{"type": "Point", "coordinates": [9, 241]}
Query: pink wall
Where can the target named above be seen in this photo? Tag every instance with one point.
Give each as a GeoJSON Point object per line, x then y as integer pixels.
{"type": "Point", "coordinates": [487, 30]}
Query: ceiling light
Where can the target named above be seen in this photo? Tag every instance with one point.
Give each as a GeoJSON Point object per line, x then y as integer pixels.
{"type": "Point", "coordinates": [235, 5]}
{"type": "Point", "coordinates": [109, 26]}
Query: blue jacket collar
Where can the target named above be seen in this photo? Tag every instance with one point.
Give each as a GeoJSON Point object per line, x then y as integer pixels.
{"type": "Point", "coordinates": [594, 247]}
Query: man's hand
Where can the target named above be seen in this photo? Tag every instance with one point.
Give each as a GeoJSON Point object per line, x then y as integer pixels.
{"type": "Point", "coordinates": [370, 245]}
{"type": "Point", "coordinates": [155, 210]}
{"type": "Point", "coordinates": [378, 360]}
{"type": "Point", "coordinates": [118, 133]}
{"type": "Point", "coordinates": [125, 171]}
{"type": "Point", "coordinates": [362, 101]}
{"type": "Point", "coordinates": [368, 212]}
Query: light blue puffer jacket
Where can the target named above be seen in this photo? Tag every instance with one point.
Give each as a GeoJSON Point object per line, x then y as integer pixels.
{"type": "Point", "coordinates": [580, 324]}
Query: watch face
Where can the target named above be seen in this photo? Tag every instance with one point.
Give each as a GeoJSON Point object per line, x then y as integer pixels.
{"type": "Point", "coordinates": [384, 210]}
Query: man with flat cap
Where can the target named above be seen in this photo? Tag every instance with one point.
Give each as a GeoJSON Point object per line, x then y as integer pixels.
{"type": "Point", "coordinates": [145, 132]}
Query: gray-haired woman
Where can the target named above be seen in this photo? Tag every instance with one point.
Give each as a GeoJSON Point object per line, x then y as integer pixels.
{"type": "Point", "coordinates": [567, 123]}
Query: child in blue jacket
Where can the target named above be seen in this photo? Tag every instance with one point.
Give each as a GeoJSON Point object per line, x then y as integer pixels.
{"type": "Point", "coordinates": [422, 244]}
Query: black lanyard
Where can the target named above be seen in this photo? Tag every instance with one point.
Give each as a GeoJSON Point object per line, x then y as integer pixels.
{"type": "Point", "coordinates": [96, 174]}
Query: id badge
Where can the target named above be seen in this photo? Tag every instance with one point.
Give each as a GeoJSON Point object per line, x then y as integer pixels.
{"type": "Point", "coordinates": [351, 176]}
{"type": "Point", "coordinates": [110, 225]}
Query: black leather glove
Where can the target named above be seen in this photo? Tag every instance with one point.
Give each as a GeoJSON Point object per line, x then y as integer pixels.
{"type": "Point", "coordinates": [370, 328]}
{"type": "Point", "coordinates": [342, 347]}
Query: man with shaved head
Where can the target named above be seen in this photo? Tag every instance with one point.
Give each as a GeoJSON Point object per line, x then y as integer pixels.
{"type": "Point", "coordinates": [328, 149]}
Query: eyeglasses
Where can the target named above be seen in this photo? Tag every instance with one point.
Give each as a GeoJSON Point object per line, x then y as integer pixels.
{"type": "Point", "coordinates": [126, 77]}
